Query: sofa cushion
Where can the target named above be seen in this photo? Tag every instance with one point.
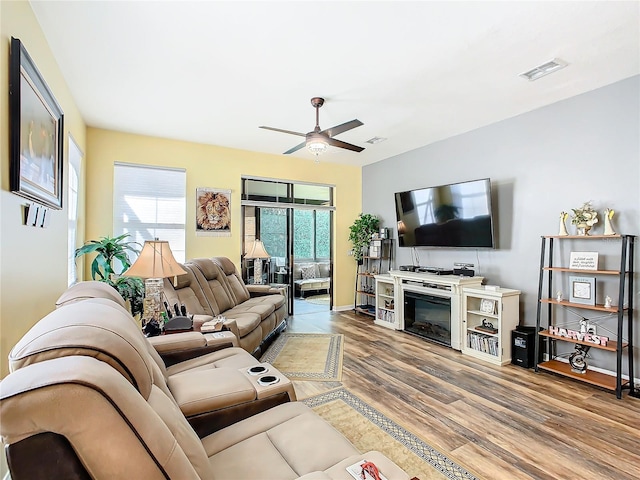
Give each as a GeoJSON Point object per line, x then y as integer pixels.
{"type": "Point", "coordinates": [309, 272]}
{"type": "Point", "coordinates": [279, 443]}
{"type": "Point", "coordinates": [213, 282]}
{"type": "Point", "coordinates": [187, 291]}
{"type": "Point", "coordinates": [90, 289]}
{"type": "Point", "coordinates": [89, 328]}
{"type": "Point", "coordinates": [208, 390]}
{"type": "Point", "coordinates": [235, 284]}
{"type": "Point", "coordinates": [245, 320]}
{"type": "Point", "coordinates": [232, 357]}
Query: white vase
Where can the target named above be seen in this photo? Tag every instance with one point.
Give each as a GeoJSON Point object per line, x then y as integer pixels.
{"type": "Point", "coordinates": [582, 229]}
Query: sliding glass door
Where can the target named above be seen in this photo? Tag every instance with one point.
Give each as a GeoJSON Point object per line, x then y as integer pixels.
{"type": "Point", "coordinates": [294, 222]}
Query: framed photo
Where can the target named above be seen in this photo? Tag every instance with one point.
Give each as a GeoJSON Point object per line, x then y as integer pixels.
{"type": "Point", "coordinates": [213, 212]}
{"type": "Point", "coordinates": [488, 306]}
{"type": "Point", "coordinates": [582, 290]}
{"type": "Point", "coordinates": [36, 132]}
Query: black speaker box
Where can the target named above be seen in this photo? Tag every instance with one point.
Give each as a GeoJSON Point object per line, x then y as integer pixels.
{"type": "Point", "coordinates": [465, 272]}
{"type": "Point", "coordinates": [523, 347]}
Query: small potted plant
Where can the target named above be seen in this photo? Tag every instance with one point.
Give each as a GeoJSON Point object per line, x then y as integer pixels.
{"type": "Point", "coordinates": [360, 233]}
{"type": "Point", "coordinates": [584, 218]}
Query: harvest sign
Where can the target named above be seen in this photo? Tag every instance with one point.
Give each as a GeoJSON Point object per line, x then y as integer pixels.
{"type": "Point", "coordinates": [580, 336]}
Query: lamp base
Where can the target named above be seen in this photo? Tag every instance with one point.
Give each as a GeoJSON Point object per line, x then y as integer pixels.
{"type": "Point", "coordinates": [257, 271]}
{"type": "Point", "coordinates": [153, 288]}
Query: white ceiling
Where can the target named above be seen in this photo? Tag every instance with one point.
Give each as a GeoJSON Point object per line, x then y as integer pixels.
{"type": "Point", "coordinates": [413, 72]}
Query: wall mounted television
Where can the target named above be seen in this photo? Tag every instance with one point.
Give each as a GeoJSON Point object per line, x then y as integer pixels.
{"type": "Point", "coordinates": [457, 215]}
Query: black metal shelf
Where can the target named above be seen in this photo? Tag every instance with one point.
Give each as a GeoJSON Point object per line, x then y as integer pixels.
{"type": "Point", "coordinates": [623, 311]}
{"type": "Point", "coordinates": [368, 267]}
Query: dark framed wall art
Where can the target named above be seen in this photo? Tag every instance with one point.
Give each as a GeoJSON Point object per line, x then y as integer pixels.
{"type": "Point", "coordinates": [36, 132]}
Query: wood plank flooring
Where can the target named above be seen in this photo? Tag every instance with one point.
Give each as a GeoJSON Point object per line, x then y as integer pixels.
{"type": "Point", "coordinates": [498, 422]}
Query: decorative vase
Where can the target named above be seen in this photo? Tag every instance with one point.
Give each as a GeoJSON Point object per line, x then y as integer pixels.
{"type": "Point", "coordinates": [583, 229]}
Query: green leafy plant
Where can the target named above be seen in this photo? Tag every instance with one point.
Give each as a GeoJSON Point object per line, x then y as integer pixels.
{"type": "Point", "coordinates": [360, 233]}
{"type": "Point", "coordinates": [107, 250]}
{"type": "Point", "coordinates": [132, 289]}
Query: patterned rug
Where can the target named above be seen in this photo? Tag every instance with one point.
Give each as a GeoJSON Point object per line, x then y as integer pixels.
{"type": "Point", "coordinates": [368, 429]}
{"type": "Point", "coordinates": [318, 299]}
{"type": "Point", "coordinates": [307, 356]}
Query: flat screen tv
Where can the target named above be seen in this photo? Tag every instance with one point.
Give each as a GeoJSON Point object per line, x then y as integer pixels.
{"type": "Point", "coordinates": [457, 215]}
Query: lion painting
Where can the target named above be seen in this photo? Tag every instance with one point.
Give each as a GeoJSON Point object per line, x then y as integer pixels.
{"type": "Point", "coordinates": [213, 211]}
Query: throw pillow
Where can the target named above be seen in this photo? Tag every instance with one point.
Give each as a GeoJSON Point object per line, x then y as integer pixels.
{"type": "Point", "coordinates": [309, 272]}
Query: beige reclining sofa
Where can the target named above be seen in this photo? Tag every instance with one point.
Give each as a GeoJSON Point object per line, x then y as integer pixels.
{"type": "Point", "coordinates": [213, 287]}
{"type": "Point", "coordinates": [86, 399]}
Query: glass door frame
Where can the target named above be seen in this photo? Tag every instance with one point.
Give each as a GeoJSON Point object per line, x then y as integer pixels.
{"type": "Point", "coordinates": [287, 202]}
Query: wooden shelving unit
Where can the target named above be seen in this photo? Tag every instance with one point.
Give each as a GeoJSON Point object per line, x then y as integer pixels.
{"type": "Point", "coordinates": [623, 311]}
{"type": "Point", "coordinates": [385, 302]}
{"type": "Point", "coordinates": [504, 317]}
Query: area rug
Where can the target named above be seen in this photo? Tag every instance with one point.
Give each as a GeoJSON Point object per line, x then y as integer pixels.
{"type": "Point", "coordinates": [368, 429]}
{"type": "Point", "coordinates": [307, 356]}
{"type": "Point", "coordinates": [318, 299]}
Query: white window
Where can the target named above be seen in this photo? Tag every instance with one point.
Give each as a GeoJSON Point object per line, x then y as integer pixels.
{"type": "Point", "coordinates": [149, 203]}
{"type": "Point", "coordinates": [75, 162]}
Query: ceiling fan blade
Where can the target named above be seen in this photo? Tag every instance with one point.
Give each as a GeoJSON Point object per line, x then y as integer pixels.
{"type": "Point", "coordinates": [338, 143]}
{"type": "Point", "coordinates": [296, 148]}
{"type": "Point", "coordinates": [285, 131]}
{"type": "Point", "coordinates": [333, 131]}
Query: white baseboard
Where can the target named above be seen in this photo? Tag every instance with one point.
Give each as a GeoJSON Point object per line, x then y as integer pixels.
{"type": "Point", "coordinates": [343, 308]}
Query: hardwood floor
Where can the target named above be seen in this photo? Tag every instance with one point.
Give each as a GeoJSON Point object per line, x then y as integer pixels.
{"type": "Point", "coordinates": [498, 422]}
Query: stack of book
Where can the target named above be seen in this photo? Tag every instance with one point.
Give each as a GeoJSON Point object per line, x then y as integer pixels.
{"type": "Point", "coordinates": [482, 343]}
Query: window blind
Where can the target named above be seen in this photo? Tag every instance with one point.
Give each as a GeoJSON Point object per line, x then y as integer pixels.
{"type": "Point", "coordinates": [150, 202]}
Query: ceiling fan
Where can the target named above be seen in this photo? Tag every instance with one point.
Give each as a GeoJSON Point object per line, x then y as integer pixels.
{"type": "Point", "coordinates": [318, 140]}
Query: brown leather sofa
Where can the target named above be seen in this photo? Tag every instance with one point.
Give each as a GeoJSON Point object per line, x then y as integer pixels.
{"type": "Point", "coordinates": [86, 399]}
{"type": "Point", "coordinates": [213, 287]}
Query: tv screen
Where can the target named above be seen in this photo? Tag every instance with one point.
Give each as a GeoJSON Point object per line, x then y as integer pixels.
{"type": "Point", "coordinates": [455, 215]}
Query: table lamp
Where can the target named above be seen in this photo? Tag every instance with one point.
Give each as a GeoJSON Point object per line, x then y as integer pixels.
{"type": "Point", "coordinates": [257, 252]}
{"type": "Point", "coordinates": [154, 263]}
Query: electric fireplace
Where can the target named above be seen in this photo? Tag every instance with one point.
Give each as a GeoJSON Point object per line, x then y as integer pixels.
{"type": "Point", "coordinates": [428, 316]}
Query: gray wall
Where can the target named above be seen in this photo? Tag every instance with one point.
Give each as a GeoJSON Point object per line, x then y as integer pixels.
{"type": "Point", "coordinates": [540, 163]}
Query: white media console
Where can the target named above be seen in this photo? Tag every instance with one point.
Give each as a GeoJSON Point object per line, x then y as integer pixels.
{"type": "Point", "coordinates": [442, 295]}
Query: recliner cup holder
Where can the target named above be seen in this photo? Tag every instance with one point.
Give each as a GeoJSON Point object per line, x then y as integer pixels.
{"type": "Point", "coordinates": [257, 370]}
{"type": "Point", "coordinates": [268, 380]}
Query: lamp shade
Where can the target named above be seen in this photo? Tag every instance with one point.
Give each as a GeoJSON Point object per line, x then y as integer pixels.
{"type": "Point", "coordinates": [155, 261]}
{"type": "Point", "coordinates": [257, 250]}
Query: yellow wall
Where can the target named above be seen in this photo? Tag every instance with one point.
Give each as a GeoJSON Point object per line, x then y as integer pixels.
{"type": "Point", "coordinates": [33, 261]}
{"type": "Point", "coordinates": [218, 167]}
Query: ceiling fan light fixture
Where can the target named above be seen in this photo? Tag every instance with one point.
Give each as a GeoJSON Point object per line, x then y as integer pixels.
{"type": "Point", "coordinates": [317, 147]}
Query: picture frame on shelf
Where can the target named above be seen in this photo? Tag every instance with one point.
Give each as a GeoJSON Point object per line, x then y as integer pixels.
{"type": "Point", "coordinates": [36, 132]}
{"type": "Point", "coordinates": [488, 306]}
{"type": "Point", "coordinates": [582, 290]}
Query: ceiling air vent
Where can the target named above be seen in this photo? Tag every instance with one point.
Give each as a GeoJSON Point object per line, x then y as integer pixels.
{"type": "Point", "coordinates": [375, 140]}
{"type": "Point", "coordinates": [544, 69]}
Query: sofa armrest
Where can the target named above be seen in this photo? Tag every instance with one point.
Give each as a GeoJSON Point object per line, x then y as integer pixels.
{"type": "Point", "coordinates": [179, 347]}
{"type": "Point", "coordinates": [261, 290]}
{"type": "Point", "coordinates": [178, 341]}
{"type": "Point", "coordinates": [231, 325]}
{"type": "Point", "coordinates": [225, 338]}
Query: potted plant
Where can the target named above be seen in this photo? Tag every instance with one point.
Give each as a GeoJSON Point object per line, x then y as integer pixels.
{"type": "Point", "coordinates": [360, 233]}
{"type": "Point", "coordinates": [584, 218]}
{"type": "Point", "coordinates": [108, 250]}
